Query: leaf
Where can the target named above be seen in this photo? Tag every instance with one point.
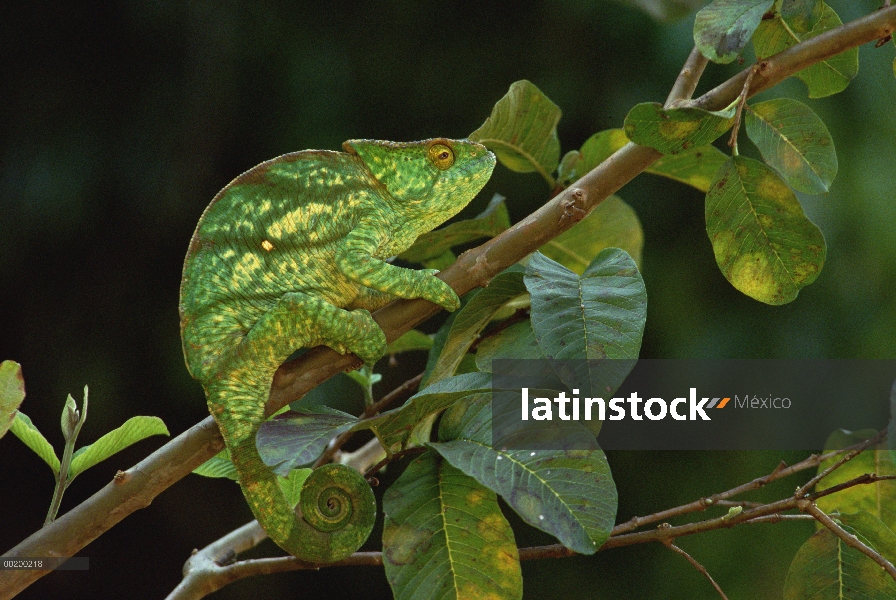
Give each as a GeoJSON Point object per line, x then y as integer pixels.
{"type": "Point", "coordinates": [568, 494]}
{"type": "Point", "coordinates": [24, 429]}
{"type": "Point", "coordinates": [891, 430]}
{"type": "Point", "coordinates": [722, 29]}
{"type": "Point", "coordinates": [132, 431]}
{"type": "Point", "coordinates": [219, 465]}
{"type": "Point", "coordinates": [695, 167]}
{"type": "Point", "coordinates": [763, 242]}
{"type": "Point", "coordinates": [522, 131]}
{"type": "Point", "coordinates": [516, 342]}
{"type": "Point", "coordinates": [411, 340]}
{"type": "Point", "coordinates": [594, 151]}
{"type": "Point", "coordinates": [434, 244]}
{"type": "Point", "coordinates": [474, 316]}
{"type": "Point", "coordinates": [296, 438]}
{"type": "Point", "coordinates": [826, 568]}
{"type": "Point", "coordinates": [794, 140]}
{"type": "Point", "coordinates": [445, 537]}
{"type": "Point", "coordinates": [612, 224]}
{"type": "Point", "coordinates": [674, 130]}
{"type": "Point", "coordinates": [393, 427]}
{"type": "Point", "coordinates": [292, 483]}
{"type": "Point", "coordinates": [878, 498]}
{"type": "Point", "coordinates": [598, 315]}
{"type": "Point", "coordinates": [12, 392]}
{"type": "Point", "coordinates": [823, 78]}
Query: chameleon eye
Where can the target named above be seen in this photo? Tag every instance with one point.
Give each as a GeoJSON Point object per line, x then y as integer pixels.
{"type": "Point", "coordinates": [441, 156]}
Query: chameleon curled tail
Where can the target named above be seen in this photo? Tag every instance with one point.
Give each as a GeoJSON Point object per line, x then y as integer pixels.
{"type": "Point", "coordinates": [336, 510]}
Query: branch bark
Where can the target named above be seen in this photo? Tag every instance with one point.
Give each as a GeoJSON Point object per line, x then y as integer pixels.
{"type": "Point", "coordinates": [475, 268]}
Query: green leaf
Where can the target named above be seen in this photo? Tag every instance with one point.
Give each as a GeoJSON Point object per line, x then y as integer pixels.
{"type": "Point", "coordinates": [794, 140]}
{"type": "Point", "coordinates": [444, 536]}
{"type": "Point", "coordinates": [722, 29]}
{"type": "Point", "coordinates": [435, 244]}
{"type": "Point", "coordinates": [598, 315]}
{"type": "Point", "coordinates": [12, 392]}
{"type": "Point", "coordinates": [594, 151]}
{"type": "Point", "coordinates": [674, 130]}
{"type": "Point", "coordinates": [132, 431]}
{"type": "Point", "coordinates": [878, 498]}
{"type": "Point", "coordinates": [695, 167]}
{"type": "Point", "coordinates": [826, 568]}
{"type": "Point", "coordinates": [219, 465]}
{"type": "Point", "coordinates": [823, 78]}
{"type": "Point", "coordinates": [296, 438]}
{"type": "Point", "coordinates": [568, 494]}
{"type": "Point", "coordinates": [891, 430]}
{"type": "Point", "coordinates": [24, 429]}
{"type": "Point", "coordinates": [292, 485]}
{"type": "Point", "coordinates": [394, 427]}
{"type": "Point", "coordinates": [522, 131]}
{"type": "Point", "coordinates": [763, 242]}
{"type": "Point", "coordinates": [411, 340]}
{"type": "Point", "coordinates": [516, 342]}
{"type": "Point", "coordinates": [474, 316]}
{"type": "Point", "coordinates": [612, 224]}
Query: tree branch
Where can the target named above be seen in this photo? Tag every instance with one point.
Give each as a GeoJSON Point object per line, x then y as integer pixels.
{"type": "Point", "coordinates": [697, 566]}
{"type": "Point", "coordinates": [848, 539]}
{"type": "Point", "coordinates": [475, 268]}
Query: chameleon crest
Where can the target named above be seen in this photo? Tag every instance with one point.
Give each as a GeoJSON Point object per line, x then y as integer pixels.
{"type": "Point", "coordinates": [291, 254]}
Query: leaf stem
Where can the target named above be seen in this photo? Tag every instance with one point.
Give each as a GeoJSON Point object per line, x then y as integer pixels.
{"type": "Point", "coordinates": [62, 478]}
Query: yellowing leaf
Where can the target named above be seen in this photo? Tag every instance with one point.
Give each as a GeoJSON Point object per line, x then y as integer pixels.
{"type": "Point", "coordinates": [12, 392]}
{"type": "Point", "coordinates": [675, 130]}
{"type": "Point", "coordinates": [794, 140]}
{"type": "Point", "coordinates": [522, 131]}
{"type": "Point", "coordinates": [612, 224]}
{"type": "Point", "coordinates": [763, 242]}
{"type": "Point", "coordinates": [824, 78]}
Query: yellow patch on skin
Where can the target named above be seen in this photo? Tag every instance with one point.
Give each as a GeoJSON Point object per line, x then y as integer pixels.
{"type": "Point", "coordinates": [267, 245]}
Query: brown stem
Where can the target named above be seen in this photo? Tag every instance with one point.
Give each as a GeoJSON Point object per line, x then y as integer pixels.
{"type": "Point", "coordinates": [696, 565]}
{"type": "Point", "coordinates": [848, 539]}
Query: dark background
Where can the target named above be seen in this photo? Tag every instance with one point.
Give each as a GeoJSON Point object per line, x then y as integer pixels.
{"type": "Point", "coordinates": [120, 121]}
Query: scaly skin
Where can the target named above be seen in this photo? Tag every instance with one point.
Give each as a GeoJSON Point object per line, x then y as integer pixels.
{"type": "Point", "coordinates": [291, 255]}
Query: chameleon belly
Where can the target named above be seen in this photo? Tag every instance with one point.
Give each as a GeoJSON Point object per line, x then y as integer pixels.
{"type": "Point", "coordinates": [290, 255]}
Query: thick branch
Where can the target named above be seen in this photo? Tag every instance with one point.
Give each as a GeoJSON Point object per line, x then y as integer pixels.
{"type": "Point", "coordinates": [475, 268]}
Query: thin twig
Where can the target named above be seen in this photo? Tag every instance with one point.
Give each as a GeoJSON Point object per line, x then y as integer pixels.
{"type": "Point", "coordinates": [872, 441]}
{"type": "Point", "coordinates": [741, 102]}
{"type": "Point", "coordinates": [386, 401]}
{"type": "Point", "coordinates": [697, 565]}
{"type": "Point", "coordinates": [848, 539]}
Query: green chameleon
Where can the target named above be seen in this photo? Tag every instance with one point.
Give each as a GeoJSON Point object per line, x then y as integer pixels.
{"type": "Point", "coordinates": [291, 254]}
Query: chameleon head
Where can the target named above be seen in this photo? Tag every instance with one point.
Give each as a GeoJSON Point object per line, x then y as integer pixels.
{"type": "Point", "coordinates": [431, 180]}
